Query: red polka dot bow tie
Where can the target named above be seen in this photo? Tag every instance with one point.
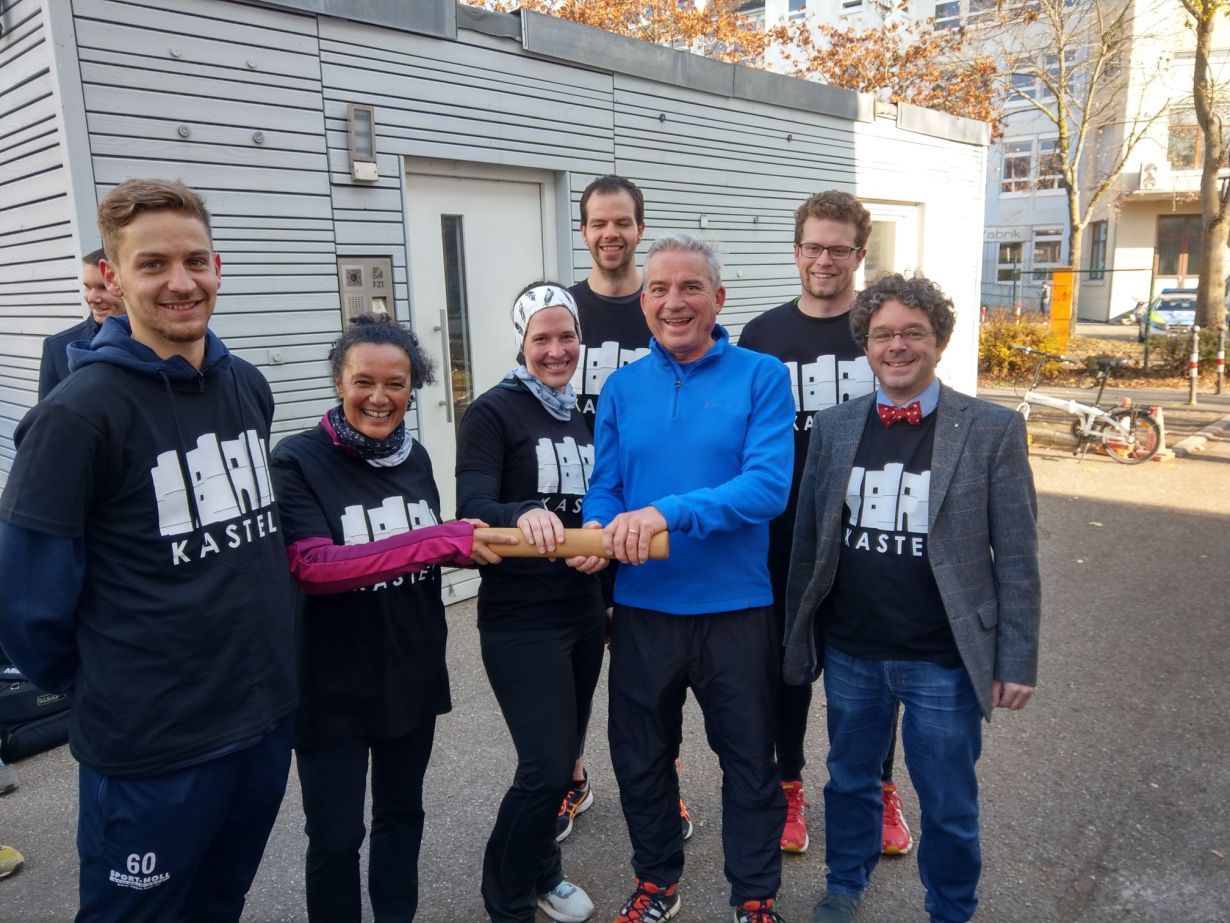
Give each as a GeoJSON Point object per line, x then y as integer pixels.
{"type": "Point", "coordinates": [910, 413]}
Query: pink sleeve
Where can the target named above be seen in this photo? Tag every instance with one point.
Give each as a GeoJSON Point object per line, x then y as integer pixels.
{"type": "Point", "coordinates": [322, 567]}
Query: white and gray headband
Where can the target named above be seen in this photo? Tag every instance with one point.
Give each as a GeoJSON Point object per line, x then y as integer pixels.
{"type": "Point", "coordinates": [535, 300]}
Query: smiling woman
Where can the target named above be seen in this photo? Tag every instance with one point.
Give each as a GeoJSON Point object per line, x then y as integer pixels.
{"type": "Point", "coordinates": [360, 510]}
{"type": "Point", "coordinates": [524, 454]}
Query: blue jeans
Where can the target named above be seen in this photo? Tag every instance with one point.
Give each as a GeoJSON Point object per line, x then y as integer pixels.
{"type": "Point", "coordinates": [941, 735]}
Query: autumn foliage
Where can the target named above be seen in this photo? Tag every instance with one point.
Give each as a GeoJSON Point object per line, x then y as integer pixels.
{"type": "Point", "coordinates": [909, 60]}
{"type": "Point", "coordinates": [716, 29]}
{"type": "Point", "coordinates": [903, 60]}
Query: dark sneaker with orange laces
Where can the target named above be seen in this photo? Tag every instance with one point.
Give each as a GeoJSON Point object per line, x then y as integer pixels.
{"type": "Point", "coordinates": [576, 801]}
{"type": "Point", "coordinates": [650, 904]}
{"type": "Point", "coordinates": [757, 912]}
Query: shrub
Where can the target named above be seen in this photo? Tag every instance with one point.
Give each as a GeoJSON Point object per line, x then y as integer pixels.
{"type": "Point", "coordinates": [997, 358]}
{"type": "Point", "coordinates": [1171, 351]}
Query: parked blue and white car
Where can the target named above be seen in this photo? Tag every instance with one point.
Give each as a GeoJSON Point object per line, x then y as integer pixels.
{"type": "Point", "coordinates": [1173, 311]}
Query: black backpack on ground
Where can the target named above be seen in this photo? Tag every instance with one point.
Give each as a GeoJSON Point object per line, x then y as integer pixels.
{"type": "Point", "coordinates": [31, 720]}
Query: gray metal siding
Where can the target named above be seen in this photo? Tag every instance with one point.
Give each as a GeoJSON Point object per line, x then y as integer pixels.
{"type": "Point", "coordinates": [38, 266]}
{"type": "Point", "coordinates": [227, 97]}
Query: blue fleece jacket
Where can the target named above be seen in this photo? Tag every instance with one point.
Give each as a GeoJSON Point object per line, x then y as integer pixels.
{"type": "Point", "coordinates": [710, 445]}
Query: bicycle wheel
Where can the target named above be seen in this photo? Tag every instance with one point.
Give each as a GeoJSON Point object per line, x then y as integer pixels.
{"type": "Point", "coordinates": [1088, 380]}
{"type": "Point", "coordinates": [1143, 438]}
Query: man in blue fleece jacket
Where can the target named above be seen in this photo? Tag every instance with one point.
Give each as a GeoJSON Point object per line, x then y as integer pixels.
{"type": "Point", "coordinates": [697, 438]}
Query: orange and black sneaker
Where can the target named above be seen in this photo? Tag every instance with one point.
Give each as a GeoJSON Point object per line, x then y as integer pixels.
{"type": "Point", "coordinates": [685, 821]}
{"type": "Point", "coordinates": [576, 801]}
{"type": "Point", "coordinates": [794, 833]}
{"type": "Point", "coordinates": [757, 912]}
{"type": "Point", "coordinates": [650, 904]}
{"type": "Point", "coordinates": [897, 838]}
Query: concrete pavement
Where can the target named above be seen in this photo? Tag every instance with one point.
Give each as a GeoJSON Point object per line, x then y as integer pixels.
{"type": "Point", "coordinates": [1103, 801]}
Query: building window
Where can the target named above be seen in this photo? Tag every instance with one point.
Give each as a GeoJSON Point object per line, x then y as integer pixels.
{"type": "Point", "coordinates": [1008, 263]}
{"type": "Point", "coordinates": [981, 11]}
{"type": "Point", "coordinates": [1178, 245]}
{"type": "Point", "coordinates": [1097, 251]}
{"type": "Point", "coordinates": [948, 15]}
{"type": "Point", "coordinates": [1048, 247]}
{"type": "Point", "coordinates": [1018, 165]}
{"type": "Point", "coordinates": [1049, 164]}
{"type": "Point", "coordinates": [850, 6]}
{"type": "Point", "coordinates": [1030, 165]}
{"type": "Point", "coordinates": [1184, 149]}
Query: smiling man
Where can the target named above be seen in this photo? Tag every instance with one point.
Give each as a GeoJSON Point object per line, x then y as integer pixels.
{"type": "Point", "coordinates": [102, 304]}
{"type": "Point", "coordinates": [811, 334]}
{"type": "Point", "coordinates": [609, 298]}
{"type": "Point", "coordinates": [149, 577]}
{"type": "Point", "coordinates": [913, 579]}
{"type": "Point", "coordinates": [694, 438]}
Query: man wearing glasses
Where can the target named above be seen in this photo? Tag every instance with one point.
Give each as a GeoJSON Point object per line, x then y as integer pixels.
{"type": "Point", "coordinates": [811, 334]}
{"type": "Point", "coordinates": [913, 578]}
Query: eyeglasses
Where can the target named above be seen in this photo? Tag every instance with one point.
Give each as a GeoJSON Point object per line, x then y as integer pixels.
{"type": "Point", "coordinates": [883, 337]}
{"type": "Point", "coordinates": [838, 253]}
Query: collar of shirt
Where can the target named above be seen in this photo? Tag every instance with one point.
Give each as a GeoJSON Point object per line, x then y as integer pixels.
{"type": "Point", "coordinates": [929, 398]}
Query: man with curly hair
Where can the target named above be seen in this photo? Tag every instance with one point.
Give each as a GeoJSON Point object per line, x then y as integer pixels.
{"type": "Point", "coordinates": [913, 578]}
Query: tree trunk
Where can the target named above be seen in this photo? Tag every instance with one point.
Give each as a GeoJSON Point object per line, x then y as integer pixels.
{"type": "Point", "coordinates": [1211, 300]}
{"type": "Point", "coordinates": [1075, 233]}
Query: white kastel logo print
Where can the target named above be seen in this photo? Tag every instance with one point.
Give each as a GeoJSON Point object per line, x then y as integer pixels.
{"type": "Point", "coordinates": [829, 381]}
{"type": "Point", "coordinates": [598, 362]}
{"type": "Point", "coordinates": [890, 500]}
{"type": "Point", "coordinates": [564, 467]}
{"type": "Point", "coordinates": [229, 479]}
{"type": "Point", "coordinates": [395, 516]}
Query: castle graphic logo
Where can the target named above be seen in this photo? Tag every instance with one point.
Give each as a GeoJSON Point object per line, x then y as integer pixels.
{"type": "Point", "coordinates": [395, 516]}
{"type": "Point", "coordinates": [829, 381]}
{"type": "Point", "coordinates": [890, 500]}
{"type": "Point", "coordinates": [564, 467]}
{"type": "Point", "coordinates": [598, 362]}
{"type": "Point", "coordinates": [229, 479]}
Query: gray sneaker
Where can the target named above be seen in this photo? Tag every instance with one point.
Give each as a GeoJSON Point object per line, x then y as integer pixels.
{"type": "Point", "coordinates": [835, 908]}
{"type": "Point", "coordinates": [566, 903]}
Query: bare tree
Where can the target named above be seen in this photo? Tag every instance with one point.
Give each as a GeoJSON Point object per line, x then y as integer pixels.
{"type": "Point", "coordinates": [1071, 63]}
{"type": "Point", "coordinates": [1214, 192]}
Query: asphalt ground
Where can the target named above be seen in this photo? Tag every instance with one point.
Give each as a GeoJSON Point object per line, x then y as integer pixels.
{"type": "Point", "coordinates": [1104, 800]}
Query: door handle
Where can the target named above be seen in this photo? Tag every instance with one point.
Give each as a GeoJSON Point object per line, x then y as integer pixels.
{"type": "Point", "coordinates": [447, 403]}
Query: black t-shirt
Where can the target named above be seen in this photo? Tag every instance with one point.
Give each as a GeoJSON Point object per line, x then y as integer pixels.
{"type": "Point", "coordinates": [826, 368]}
{"type": "Point", "coordinates": [613, 333]}
{"type": "Point", "coordinates": [884, 604]}
{"type": "Point", "coordinates": [371, 661]}
{"type": "Point", "coordinates": [513, 456]}
{"type": "Point", "coordinates": [184, 625]}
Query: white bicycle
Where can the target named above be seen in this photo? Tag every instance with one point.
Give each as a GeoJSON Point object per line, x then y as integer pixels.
{"type": "Point", "coordinates": [1128, 435]}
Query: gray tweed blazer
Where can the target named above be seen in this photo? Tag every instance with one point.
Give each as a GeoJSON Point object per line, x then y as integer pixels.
{"type": "Point", "coordinates": [982, 538]}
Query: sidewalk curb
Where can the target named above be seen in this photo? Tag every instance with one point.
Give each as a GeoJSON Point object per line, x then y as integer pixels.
{"type": "Point", "coordinates": [1198, 442]}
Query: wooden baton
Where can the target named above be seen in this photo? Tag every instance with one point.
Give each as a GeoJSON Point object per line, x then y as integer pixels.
{"type": "Point", "coordinates": [577, 542]}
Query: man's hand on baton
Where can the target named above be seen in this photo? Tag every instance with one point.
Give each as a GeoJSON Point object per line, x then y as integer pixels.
{"type": "Point", "coordinates": [627, 536]}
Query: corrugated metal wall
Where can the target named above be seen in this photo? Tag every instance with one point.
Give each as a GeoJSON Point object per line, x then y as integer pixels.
{"type": "Point", "coordinates": [38, 266]}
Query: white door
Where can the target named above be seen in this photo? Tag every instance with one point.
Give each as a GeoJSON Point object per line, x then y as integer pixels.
{"type": "Point", "coordinates": [475, 240]}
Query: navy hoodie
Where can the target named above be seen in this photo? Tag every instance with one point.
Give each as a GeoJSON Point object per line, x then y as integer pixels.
{"type": "Point", "coordinates": [141, 556]}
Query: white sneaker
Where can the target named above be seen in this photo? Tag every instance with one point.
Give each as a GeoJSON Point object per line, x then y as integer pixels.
{"type": "Point", "coordinates": [566, 903]}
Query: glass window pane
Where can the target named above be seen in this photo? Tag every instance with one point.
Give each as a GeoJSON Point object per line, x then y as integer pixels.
{"type": "Point", "coordinates": [457, 310]}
